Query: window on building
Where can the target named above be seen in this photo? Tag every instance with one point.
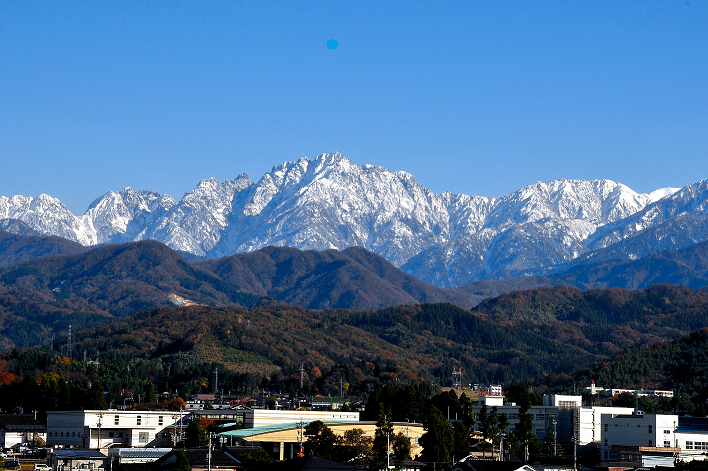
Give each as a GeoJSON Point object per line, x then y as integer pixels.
{"type": "Point", "coordinates": [606, 427]}
{"type": "Point", "coordinates": [62, 434]}
{"type": "Point", "coordinates": [667, 443]}
{"type": "Point", "coordinates": [120, 434]}
{"type": "Point", "coordinates": [650, 443]}
{"type": "Point", "coordinates": [110, 434]}
{"type": "Point", "coordinates": [73, 434]}
{"type": "Point", "coordinates": [159, 420]}
{"type": "Point", "coordinates": [667, 431]}
{"type": "Point", "coordinates": [140, 420]}
{"type": "Point", "coordinates": [689, 445]}
{"type": "Point", "coordinates": [649, 429]}
{"type": "Point", "coordinates": [116, 420]}
{"type": "Point", "coordinates": [607, 455]}
{"type": "Point", "coordinates": [605, 442]}
{"type": "Point", "coordinates": [142, 437]}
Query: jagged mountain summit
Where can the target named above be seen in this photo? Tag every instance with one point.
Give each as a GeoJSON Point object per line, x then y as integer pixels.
{"type": "Point", "coordinates": [331, 203]}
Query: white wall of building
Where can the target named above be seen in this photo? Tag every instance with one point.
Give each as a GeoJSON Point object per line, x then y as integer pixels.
{"type": "Point", "coordinates": [259, 417]}
{"type": "Point", "coordinates": [123, 428]}
{"type": "Point", "coordinates": [590, 421]}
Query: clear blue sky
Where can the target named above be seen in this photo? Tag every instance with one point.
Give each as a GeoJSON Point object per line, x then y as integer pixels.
{"type": "Point", "coordinates": [476, 97]}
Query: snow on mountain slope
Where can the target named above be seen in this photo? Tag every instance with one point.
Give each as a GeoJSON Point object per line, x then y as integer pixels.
{"type": "Point", "coordinates": [49, 216]}
{"type": "Point", "coordinates": [691, 199]}
{"type": "Point", "coordinates": [330, 202]}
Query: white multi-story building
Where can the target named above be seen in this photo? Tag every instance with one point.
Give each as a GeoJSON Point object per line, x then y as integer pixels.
{"type": "Point", "coordinates": [100, 429]}
{"type": "Point", "coordinates": [589, 422]}
{"type": "Point", "coordinates": [564, 415]}
{"type": "Point", "coordinates": [594, 389]}
{"type": "Point", "coordinates": [652, 439]}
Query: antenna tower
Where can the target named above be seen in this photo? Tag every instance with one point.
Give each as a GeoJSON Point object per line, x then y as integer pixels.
{"type": "Point", "coordinates": [69, 344]}
{"type": "Point", "coordinates": [457, 379]}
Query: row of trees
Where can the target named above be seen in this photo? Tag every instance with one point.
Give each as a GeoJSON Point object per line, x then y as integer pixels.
{"type": "Point", "coordinates": [443, 442]}
{"type": "Point", "coordinates": [356, 448]}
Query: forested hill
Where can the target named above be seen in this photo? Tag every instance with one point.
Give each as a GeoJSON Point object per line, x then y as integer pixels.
{"type": "Point", "coordinates": [680, 365]}
{"type": "Point", "coordinates": [526, 335]}
{"type": "Point", "coordinates": [15, 248]}
{"type": "Point", "coordinates": [413, 342]}
{"type": "Point", "coordinates": [601, 321]}
{"type": "Point", "coordinates": [544, 337]}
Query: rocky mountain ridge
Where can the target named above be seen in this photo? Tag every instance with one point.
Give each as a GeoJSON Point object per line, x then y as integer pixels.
{"type": "Point", "coordinates": [331, 203]}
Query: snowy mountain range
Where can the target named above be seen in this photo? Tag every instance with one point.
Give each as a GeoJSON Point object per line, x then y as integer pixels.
{"type": "Point", "coordinates": [329, 202]}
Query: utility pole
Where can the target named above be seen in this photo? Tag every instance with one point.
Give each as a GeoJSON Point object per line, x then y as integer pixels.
{"type": "Point", "coordinates": [300, 437]}
{"type": "Point", "coordinates": [69, 344]}
{"type": "Point", "coordinates": [209, 454]}
{"type": "Point", "coordinates": [501, 446]}
{"type": "Point", "coordinates": [575, 452]}
{"type": "Point", "coordinates": [100, 419]}
{"type": "Point", "coordinates": [216, 380]}
{"type": "Point", "coordinates": [555, 436]}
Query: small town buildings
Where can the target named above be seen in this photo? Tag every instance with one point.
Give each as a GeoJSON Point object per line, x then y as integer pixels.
{"type": "Point", "coordinates": [136, 455]}
{"type": "Point", "coordinates": [19, 430]}
{"type": "Point", "coordinates": [14, 435]}
{"type": "Point", "coordinates": [101, 429]}
{"type": "Point", "coordinates": [589, 422]}
{"type": "Point", "coordinates": [596, 390]}
{"type": "Point", "coordinates": [67, 460]}
{"type": "Point", "coordinates": [648, 440]}
{"type": "Point", "coordinates": [283, 440]}
{"type": "Point", "coordinates": [560, 414]}
{"type": "Point", "coordinates": [328, 403]}
{"type": "Point", "coordinates": [260, 417]}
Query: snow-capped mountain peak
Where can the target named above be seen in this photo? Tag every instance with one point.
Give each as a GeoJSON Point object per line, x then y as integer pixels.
{"type": "Point", "coordinates": [331, 202]}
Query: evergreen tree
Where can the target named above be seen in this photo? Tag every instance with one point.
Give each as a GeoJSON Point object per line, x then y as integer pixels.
{"type": "Point", "coordinates": [321, 441]}
{"type": "Point", "coordinates": [196, 435]}
{"type": "Point", "coordinates": [382, 437]}
{"type": "Point", "coordinates": [149, 393]}
{"type": "Point", "coordinates": [462, 440]}
{"type": "Point", "coordinates": [182, 463]}
{"type": "Point", "coordinates": [96, 399]}
{"type": "Point", "coordinates": [484, 426]}
{"type": "Point", "coordinates": [256, 459]}
{"type": "Point", "coordinates": [401, 448]}
{"type": "Point", "coordinates": [438, 441]}
{"type": "Point", "coordinates": [503, 425]}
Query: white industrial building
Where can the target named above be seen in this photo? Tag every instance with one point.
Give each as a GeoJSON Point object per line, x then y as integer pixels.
{"type": "Point", "coordinates": [649, 440]}
{"type": "Point", "coordinates": [260, 417]}
{"type": "Point", "coordinates": [560, 413]}
{"type": "Point", "coordinates": [103, 429]}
